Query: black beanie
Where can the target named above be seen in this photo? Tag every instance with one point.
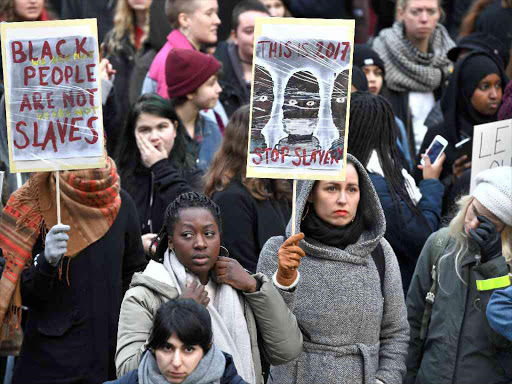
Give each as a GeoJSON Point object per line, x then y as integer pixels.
{"type": "Point", "coordinates": [365, 55]}
{"type": "Point", "coordinates": [359, 79]}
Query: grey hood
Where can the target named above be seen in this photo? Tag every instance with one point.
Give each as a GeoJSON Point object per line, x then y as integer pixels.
{"type": "Point", "coordinates": [369, 207]}
{"type": "Point", "coordinates": [155, 278]}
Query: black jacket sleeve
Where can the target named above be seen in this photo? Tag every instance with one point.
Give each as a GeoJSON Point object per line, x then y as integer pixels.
{"type": "Point", "coordinates": [169, 182]}
{"type": "Point", "coordinates": [134, 258]}
{"type": "Point", "coordinates": [37, 282]}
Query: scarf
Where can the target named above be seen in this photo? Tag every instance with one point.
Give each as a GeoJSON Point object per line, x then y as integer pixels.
{"type": "Point", "coordinates": [409, 69]}
{"type": "Point", "coordinates": [90, 203]}
{"type": "Point", "coordinates": [458, 112]}
{"type": "Point", "coordinates": [230, 332]}
{"type": "Point", "coordinates": [315, 228]}
{"type": "Point", "coordinates": [209, 370]}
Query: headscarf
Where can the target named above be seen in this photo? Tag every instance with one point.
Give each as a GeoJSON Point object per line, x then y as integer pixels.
{"type": "Point", "coordinates": [459, 114]}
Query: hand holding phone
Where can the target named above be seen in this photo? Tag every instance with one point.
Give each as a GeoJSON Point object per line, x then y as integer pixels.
{"type": "Point", "coordinates": [435, 149]}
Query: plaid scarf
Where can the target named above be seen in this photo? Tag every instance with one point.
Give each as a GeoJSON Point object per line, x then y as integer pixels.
{"type": "Point", "coordinates": [90, 203]}
{"type": "Point", "coordinates": [409, 69]}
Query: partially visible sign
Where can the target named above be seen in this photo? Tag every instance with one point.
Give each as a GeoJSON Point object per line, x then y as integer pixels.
{"type": "Point", "coordinates": [53, 100]}
{"type": "Point", "coordinates": [300, 98]}
{"type": "Point", "coordinates": [492, 147]}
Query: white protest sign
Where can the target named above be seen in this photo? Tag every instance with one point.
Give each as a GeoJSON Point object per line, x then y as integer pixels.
{"type": "Point", "coordinates": [53, 95]}
{"type": "Point", "coordinates": [492, 147]}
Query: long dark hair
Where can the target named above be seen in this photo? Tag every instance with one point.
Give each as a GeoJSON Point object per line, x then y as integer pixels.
{"type": "Point", "coordinates": [190, 321]}
{"type": "Point", "coordinates": [172, 215]}
{"type": "Point", "coordinates": [373, 127]}
{"type": "Point", "coordinates": [231, 159]}
{"type": "Point", "coordinates": [128, 156]}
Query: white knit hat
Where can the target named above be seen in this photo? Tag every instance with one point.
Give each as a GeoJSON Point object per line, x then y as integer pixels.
{"type": "Point", "coordinates": [494, 191]}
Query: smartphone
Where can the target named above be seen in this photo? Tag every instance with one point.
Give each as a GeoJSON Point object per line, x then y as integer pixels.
{"type": "Point", "coordinates": [436, 149]}
{"type": "Point", "coordinates": [464, 147]}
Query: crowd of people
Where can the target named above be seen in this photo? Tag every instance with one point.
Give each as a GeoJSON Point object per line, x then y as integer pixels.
{"type": "Point", "coordinates": [172, 266]}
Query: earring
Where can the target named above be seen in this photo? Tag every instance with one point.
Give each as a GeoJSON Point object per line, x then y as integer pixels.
{"type": "Point", "coordinates": [223, 251]}
{"type": "Point", "coordinates": [353, 219]}
{"type": "Point", "coordinates": [305, 214]}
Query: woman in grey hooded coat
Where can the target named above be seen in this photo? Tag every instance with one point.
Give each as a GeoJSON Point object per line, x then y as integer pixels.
{"type": "Point", "coordinates": [357, 327]}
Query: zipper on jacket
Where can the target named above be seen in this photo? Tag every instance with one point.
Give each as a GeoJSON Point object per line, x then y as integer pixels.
{"type": "Point", "coordinates": [150, 223]}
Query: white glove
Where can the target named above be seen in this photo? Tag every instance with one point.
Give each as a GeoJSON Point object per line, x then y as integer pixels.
{"type": "Point", "coordinates": [56, 243]}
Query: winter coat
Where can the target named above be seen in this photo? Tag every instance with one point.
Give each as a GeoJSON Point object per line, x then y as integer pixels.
{"type": "Point", "coordinates": [460, 346]}
{"type": "Point", "coordinates": [71, 329]}
{"type": "Point", "coordinates": [358, 333]}
{"type": "Point", "coordinates": [155, 188]}
{"type": "Point", "coordinates": [499, 312]}
{"type": "Point", "coordinates": [265, 312]}
{"type": "Point", "coordinates": [235, 90]}
{"type": "Point", "coordinates": [258, 220]}
{"type": "Point", "coordinates": [230, 375]}
{"type": "Point", "coordinates": [175, 39]}
{"type": "Point", "coordinates": [407, 232]}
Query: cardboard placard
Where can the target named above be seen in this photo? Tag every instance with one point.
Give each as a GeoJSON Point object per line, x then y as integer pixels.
{"type": "Point", "coordinates": [53, 95]}
{"type": "Point", "coordinates": [300, 98]}
{"type": "Point", "coordinates": [492, 147]}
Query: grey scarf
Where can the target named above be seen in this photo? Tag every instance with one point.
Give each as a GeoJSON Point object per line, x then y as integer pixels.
{"type": "Point", "coordinates": [209, 370]}
{"type": "Point", "coordinates": [409, 69]}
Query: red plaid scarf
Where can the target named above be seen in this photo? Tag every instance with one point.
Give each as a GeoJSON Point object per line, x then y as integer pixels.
{"type": "Point", "coordinates": [90, 203]}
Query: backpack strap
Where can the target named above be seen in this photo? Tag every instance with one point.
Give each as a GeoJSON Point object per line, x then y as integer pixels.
{"type": "Point", "coordinates": [380, 263]}
{"type": "Point", "coordinates": [440, 242]}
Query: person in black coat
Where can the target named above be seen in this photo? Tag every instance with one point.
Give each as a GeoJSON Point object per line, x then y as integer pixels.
{"type": "Point", "coordinates": [180, 348]}
{"type": "Point", "coordinates": [154, 161]}
{"type": "Point", "coordinates": [412, 212]}
{"type": "Point", "coordinates": [253, 210]}
{"type": "Point", "coordinates": [73, 277]}
{"type": "Point", "coordinates": [473, 97]}
{"type": "Point", "coordinates": [236, 56]}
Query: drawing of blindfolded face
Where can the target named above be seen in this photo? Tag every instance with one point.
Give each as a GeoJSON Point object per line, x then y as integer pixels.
{"type": "Point", "coordinates": [263, 98]}
{"type": "Point", "coordinates": [301, 104]}
{"type": "Point", "coordinates": [339, 100]}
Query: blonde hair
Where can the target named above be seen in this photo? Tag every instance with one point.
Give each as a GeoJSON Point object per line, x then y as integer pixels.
{"type": "Point", "coordinates": [124, 25]}
{"type": "Point", "coordinates": [402, 5]}
{"type": "Point", "coordinates": [173, 9]}
{"type": "Point", "coordinates": [456, 231]}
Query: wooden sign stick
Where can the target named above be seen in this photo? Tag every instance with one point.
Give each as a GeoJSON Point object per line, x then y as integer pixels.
{"type": "Point", "coordinates": [294, 205]}
{"type": "Point", "coordinates": [57, 192]}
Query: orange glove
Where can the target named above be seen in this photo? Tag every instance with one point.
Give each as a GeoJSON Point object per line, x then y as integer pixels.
{"type": "Point", "coordinates": [289, 256]}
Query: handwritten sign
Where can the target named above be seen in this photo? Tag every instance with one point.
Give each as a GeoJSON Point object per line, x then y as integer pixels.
{"type": "Point", "coordinates": [53, 100]}
{"type": "Point", "coordinates": [300, 98]}
{"type": "Point", "coordinates": [492, 147]}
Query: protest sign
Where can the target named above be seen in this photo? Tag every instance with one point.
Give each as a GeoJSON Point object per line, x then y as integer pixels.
{"type": "Point", "coordinates": [300, 98]}
{"type": "Point", "coordinates": [53, 95]}
{"type": "Point", "coordinates": [492, 147]}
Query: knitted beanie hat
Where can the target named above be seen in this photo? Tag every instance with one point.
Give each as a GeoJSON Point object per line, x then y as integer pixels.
{"type": "Point", "coordinates": [365, 55]}
{"type": "Point", "coordinates": [494, 191]}
{"type": "Point", "coordinates": [187, 69]}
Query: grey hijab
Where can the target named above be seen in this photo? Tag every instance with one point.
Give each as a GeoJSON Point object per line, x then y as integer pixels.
{"type": "Point", "coordinates": [209, 370]}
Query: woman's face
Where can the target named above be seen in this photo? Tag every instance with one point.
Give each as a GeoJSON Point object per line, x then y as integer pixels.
{"type": "Point", "coordinates": [196, 241]}
{"type": "Point", "coordinates": [486, 98]}
{"type": "Point", "coordinates": [476, 209]}
{"type": "Point", "coordinates": [335, 202]}
{"type": "Point", "coordinates": [275, 7]}
{"type": "Point", "coordinates": [207, 95]}
{"type": "Point", "coordinates": [374, 77]}
{"type": "Point", "coordinates": [420, 18]}
{"type": "Point", "coordinates": [28, 10]}
{"type": "Point", "coordinates": [158, 131]}
{"type": "Point", "coordinates": [176, 360]}
{"type": "Point", "coordinates": [204, 22]}
{"type": "Point", "coordinates": [139, 5]}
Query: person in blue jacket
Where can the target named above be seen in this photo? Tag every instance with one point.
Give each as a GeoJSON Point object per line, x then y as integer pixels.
{"type": "Point", "coordinates": [412, 212]}
{"type": "Point", "coordinates": [499, 312]}
{"type": "Point", "coordinates": [180, 349]}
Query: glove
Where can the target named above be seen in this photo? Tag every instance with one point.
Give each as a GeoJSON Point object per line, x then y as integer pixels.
{"type": "Point", "coordinates": [488, 239]}
{"type": "Point", "coordinates": [289, 256]}
{"type": "Point", "coordinates": [56, 243]}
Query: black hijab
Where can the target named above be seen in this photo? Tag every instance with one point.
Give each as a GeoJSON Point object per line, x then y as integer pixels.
{"type": "Point", "coordinates": [459, 114]}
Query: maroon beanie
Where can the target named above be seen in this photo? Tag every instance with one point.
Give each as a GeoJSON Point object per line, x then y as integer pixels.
{"type": "Point", "coordinates": [187, 69]}
{"type": "Point", "coordinates": [505, 111]}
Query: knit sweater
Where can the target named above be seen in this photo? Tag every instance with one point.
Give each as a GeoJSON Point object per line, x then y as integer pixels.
{"type": "Point", "coordinates": [357, 335]}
